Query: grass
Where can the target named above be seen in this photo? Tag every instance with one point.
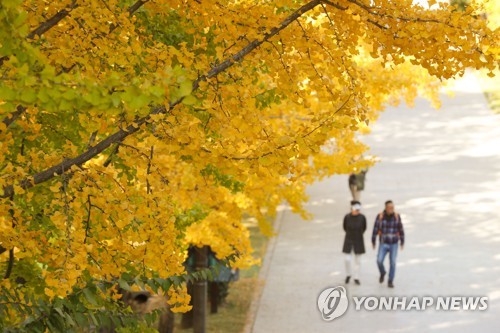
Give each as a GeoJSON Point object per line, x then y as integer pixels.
{"type": "Point", "coordinates": [494, 100]}
{"type": "Point", "coordinates": [491, 88]}
{"type": "Point", "coordinates": [232, 315]}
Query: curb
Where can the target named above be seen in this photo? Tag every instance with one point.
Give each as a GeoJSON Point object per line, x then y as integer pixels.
{"type": "Point", "coordinates": [263, 272]}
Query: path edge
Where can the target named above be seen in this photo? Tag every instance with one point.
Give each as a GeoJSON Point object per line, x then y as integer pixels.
{"type": "Point", "coordinates": [264, 270]}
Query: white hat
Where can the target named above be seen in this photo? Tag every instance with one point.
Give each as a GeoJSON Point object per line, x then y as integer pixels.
{"type": "Point", "coordinates": [356, 206]}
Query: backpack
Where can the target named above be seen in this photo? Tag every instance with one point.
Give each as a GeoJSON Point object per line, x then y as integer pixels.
{"type": "Point", "coordinates": [360, 180]}
{"type": "Point", "coordinates": [381, 215]}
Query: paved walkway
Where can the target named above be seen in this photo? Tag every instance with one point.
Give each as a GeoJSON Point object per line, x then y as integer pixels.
{"type": "Point", "coordinates": [442, 169]}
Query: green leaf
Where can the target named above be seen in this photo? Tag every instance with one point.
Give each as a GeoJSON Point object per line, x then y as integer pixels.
{"type": "Point", "coordinates": [139, 101]}
{"type": "Point", "coordinates": [116, 99]}
{"type": "Point", "coordinates": [189, 100]}
{"type": "Point", "coordinates": [7, 93]}
{"type": "Point", "coordinates": [185, 88]}
{"type": "Point", "coordinates": [28, 96]}
{"type": "Point", "coordinates": [123, 284]}
{"type": "Point", "coordinates": [90, 296]}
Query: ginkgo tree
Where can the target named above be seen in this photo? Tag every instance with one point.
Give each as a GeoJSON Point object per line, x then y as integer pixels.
{"type": "Point", "coordinates": [132, 130]}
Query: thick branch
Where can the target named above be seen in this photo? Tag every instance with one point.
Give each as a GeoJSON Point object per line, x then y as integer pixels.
{"type": "Point", "coordinates": [10, 264]}
{"type": "Point", "coordinates": [256, 43]}
{"type": "Point", "coordinates": [90, 153]}
{"type": "Point", "coordinates": [120, 135]}
{"type": "Point", "coordinates": [132, 9]}
{"type": "Point", "coordinates": [11, 117]}
{"type": "Point", "coordinates": [44, 27]}
{"type": "Point", "coordinates": [51, 22]}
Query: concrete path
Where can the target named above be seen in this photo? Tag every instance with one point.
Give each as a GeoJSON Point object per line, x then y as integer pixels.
{"type": "Point", "coordinates": [442, 169]}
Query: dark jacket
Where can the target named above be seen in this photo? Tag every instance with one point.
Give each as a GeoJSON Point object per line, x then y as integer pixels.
{"type": "Point", "coordinates": [352, 179]}
{"type": "Point", "coordinates": [354, 227]}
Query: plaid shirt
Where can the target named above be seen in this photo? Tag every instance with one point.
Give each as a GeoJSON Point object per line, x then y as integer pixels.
{"type": "Point", "coordinates": [389, 229]}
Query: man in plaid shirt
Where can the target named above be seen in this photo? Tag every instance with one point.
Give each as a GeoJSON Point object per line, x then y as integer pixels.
{"type": "Point", "coordinates": [389, 228]}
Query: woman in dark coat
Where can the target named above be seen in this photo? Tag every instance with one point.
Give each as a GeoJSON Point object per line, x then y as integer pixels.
{"type": "Point", "coordinates": [354, 227]}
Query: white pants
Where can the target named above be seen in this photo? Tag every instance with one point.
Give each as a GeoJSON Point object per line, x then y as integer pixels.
{"type": "Point", "coordinates": [348, 265]}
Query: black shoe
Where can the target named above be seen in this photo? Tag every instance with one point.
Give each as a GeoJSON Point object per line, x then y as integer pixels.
{"type": "Point", "coordinates": [347, 279]}
{"type": "Point", "coordinates": [381, 279]}
{"type": "Point", "coordinates": [390, 284]}
{"type": "Point", "coordinates": [356, 281]}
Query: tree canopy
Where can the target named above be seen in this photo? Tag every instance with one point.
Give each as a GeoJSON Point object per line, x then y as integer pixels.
{"type": "Point", "coordinates": [133, 129]}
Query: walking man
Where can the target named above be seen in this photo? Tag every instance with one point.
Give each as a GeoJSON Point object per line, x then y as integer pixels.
{"type": "Point", "coordinates": [354, 227]}
{"type": "Point", "coordinates": [357, 184]}
{"type": "Point", "coordinates": [389, 228]}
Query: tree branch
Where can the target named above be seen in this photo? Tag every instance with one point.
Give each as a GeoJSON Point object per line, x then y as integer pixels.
{"type": "Point", "coordinates": [229, 62]}
{"type": "Point", "coordinates": [132, 9]}
{"type": "Point", "coordinates": [51, 22]}
{"type": "Point", "coordinates": [46, 26]}
{"type": "Point", "coordinates": [11, 117]}
{"type": "Point", "coordinates": [121, 134]}
{"type": "Point", "coordinates": [10, 264]}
